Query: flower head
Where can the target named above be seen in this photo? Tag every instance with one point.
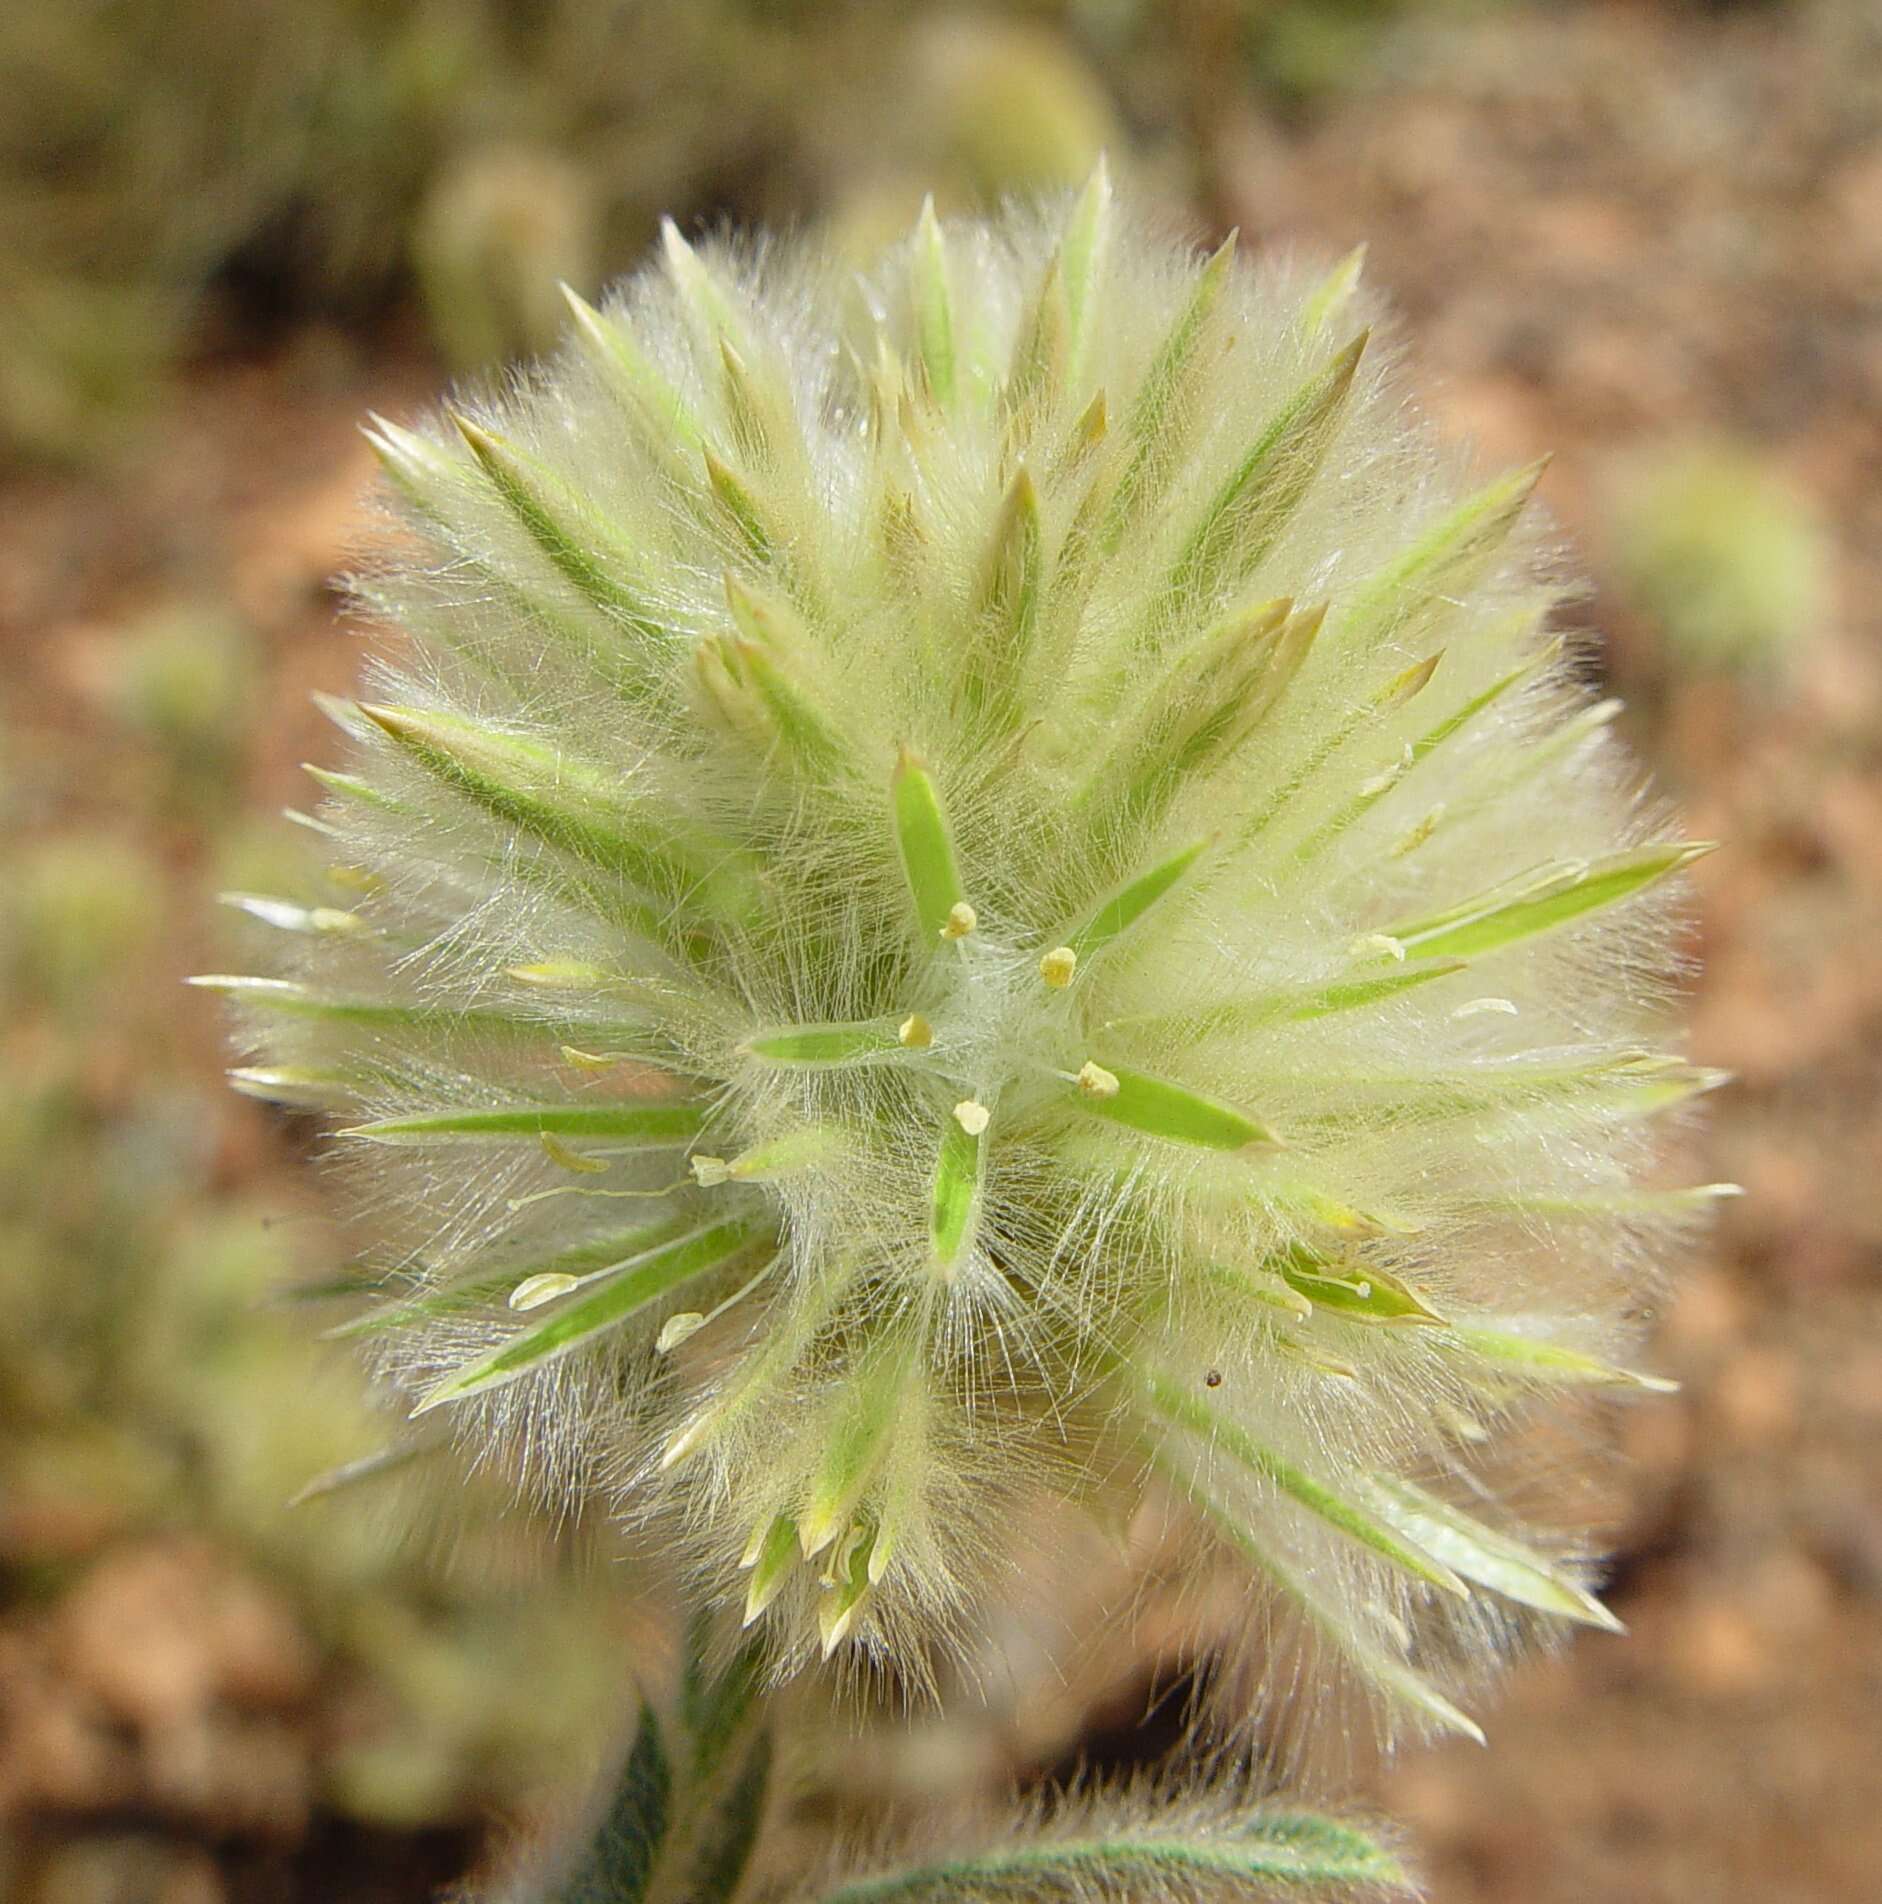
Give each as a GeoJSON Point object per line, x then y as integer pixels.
{"type": "Point", "coordinates": [983, 884]}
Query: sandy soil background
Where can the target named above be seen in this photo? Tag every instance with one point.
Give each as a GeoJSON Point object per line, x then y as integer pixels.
{"type": "Point", "coordinates": [1605, 227]}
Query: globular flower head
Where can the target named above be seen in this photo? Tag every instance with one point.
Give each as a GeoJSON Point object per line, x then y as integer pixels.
{"type": "Point", "coordinates": [980, 884]}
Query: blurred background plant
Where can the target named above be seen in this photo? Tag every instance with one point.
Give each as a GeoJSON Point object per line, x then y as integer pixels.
{"type": "Point", "coordinates": [227, 231]}
{"type": "Point", "coordinates": [1725, 555]}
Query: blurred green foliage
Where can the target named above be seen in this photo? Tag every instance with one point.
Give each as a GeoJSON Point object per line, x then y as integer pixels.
{"type": "Point", "coordinates": [1726, 556]}
{"type": "Point", "coordinates": [152, 1384]}
{"type": "Point", "coordinates": [173, 170]}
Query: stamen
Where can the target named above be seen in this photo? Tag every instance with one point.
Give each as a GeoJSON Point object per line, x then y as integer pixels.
{"type": "Point", "coordinates": [1057, 967]}
{"type": "Point", "coordinates": [533, 1291]}
{"type": "Point", "coordinates": [974, 1118]}
{"type": "Point", "coordinates": [1095, 1081]}
{"type": "Point", "coordinates": [961, 920]}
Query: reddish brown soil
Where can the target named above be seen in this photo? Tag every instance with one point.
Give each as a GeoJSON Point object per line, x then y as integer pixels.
{"type": "Point", "coordinates": [1601, 228]}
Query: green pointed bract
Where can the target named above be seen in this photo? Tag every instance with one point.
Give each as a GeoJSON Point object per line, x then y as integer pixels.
{"type": "Point", "coordinates": [1007, 608]}
{"type": "Point", "coordinates": [583, 1261]}
{"type": "Point", "coordinates": [1444, 563]}
{"type": "Point", "coordinates": [288, 998]}
{"type": "Point", "coordinates": [856, 1438]}
{"type": "Point", "coordinates": [1158, 1108]}
{"type": "Point", "coordinates": [1328, 300]}
{"type": "Point", "coordinates": [742, 509]}
{"type": "Point", "coordinates": [574, 806]}
{"type": "Point", "coordinates": [956, 1200]}
{"type": "Point", "coordinates": [1131, 902]}
{"type": "Point", "coordinates": [1302, 1003]}
{"type": "Point", "coordinates": [934, 307]}
{"type": "Point", "coordinates": [421, 472]}
{"type": "Point", "coordinates": [772, 1559]}
{"type": "Point", "coordinates": [1081, 260]}
{"type": "Point", "coordinates": [1211, 700]}
{"type": "Point", "coordinates": [1253, 506]}
{"type": "Point", "coordinates": [1531, 1358]}
{"type": "Point", "coordinates": [300, 1087]}
{"type": "Point", "coordinates": [664, 423]}
{"type": "Point", "coordinates": [628, 1122]}
{"type": "Point", "coordinates": [711, 308]}
{"type": "Point", "coordinates": [759, 683]}
{"type": "Point", "coordinates": [1352, 1290]}
{"type": "Point", "coordinates": [1419, 751]}
{"type": "Point", "coordinates": [1182, 1409]}
{"type": "Point", "coordinates": [1159, 419]}
{"type": "Point", "coordinates": [566, 530]}
{"type": "Point", "coordinates": [1369, 1656]}
{"type": "Point", "coordinates": [1473, 930]}
{"type": "Point", "coordinates": [925, 846]}
{"type": "Point", "coordinates": [811, 1046]}
{"type": "Point", "coordinates": [608, 1305]}
{"type": "Point", "coordinates": [1481, 1554]}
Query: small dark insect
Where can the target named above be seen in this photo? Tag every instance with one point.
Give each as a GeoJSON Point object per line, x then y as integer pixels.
{"type": "Point", "coordinates": [1213, 1379]}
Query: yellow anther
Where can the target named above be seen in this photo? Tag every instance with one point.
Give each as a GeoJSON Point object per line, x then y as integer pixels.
{"type": "Point", "coordinates": [677, 1328]}
{"type": "Point", "coordinates": [708, 1171]}
{"type": "Point", "coordinates": [561, 1155]}
{"type": "Point", "coordinates": [1095, 1081]}
{"type": "Point", "coordinates": [1057, 967]}
{"type": "Point", "coordinates": [533, 1291]}
{"type": "Point", "coordinates": [915, 1032]}
{"type": "Point", "coordinates": [1477, 1006]}
{"type": "Point", "coordinates": [962, 919]}
{"type": "Point", "coordinates": [974, 1117]}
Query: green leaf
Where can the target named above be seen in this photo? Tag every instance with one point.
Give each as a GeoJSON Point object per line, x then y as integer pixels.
{"type": "Point", "coordinates": [618, 1863]}
{"type": "Point", "coordinates": [1159, 1108]}
{"type": "Point", "coordinates": [1480, 1553]}
{"type": "Point", "coordinates": [934, 315]}
{"type": "Point", "coordinates": [729, 1832]}
{"type": "Point", "coordinates": [956, 1198]}
{"type": "Point", "coordinates": [1261, 1851]}
{"type": "Point", "coordinates": [656, 1126]}
{"type": "Point", "coordinates": [1187, 1411]}
{"type": "Point", "coordinates": [1249, 511]}
{"type": "Point", "coordinates": [926, 849]}
{"type": "Point", "coordinates": [1129, 904]}
{"type": "Point", "coordinates": [715, 1704]}
{"type": "Point", "coordinates": [1477, 928]}
{"type": "Point", "coordinates": [603, 1306]}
